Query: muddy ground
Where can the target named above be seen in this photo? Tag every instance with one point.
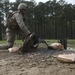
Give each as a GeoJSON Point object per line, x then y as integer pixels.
{"type": "Point", "coordinates": [38, 62]}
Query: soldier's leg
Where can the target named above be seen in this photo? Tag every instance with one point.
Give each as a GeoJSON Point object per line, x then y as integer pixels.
{"type": "Point", "coordinates": [10, 35]}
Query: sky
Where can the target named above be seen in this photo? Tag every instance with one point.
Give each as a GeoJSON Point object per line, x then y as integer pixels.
{"type": "Point", "coordinates": [69, 1]}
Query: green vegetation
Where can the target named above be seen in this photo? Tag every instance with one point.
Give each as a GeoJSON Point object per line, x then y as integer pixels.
{"type": "Point", "coordinates": [71, 41]}
{"type": "Point", "coordinates": [17, 42]}
{"type": "Point", "coordinates": [3, 42]}
{"type": "Point", "coordinates": [51, 41]}
{"type": "Point", "coordinates": [50, 20]}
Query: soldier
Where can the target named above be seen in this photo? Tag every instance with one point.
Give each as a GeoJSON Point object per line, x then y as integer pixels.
{"type": "Point", "coordinates": [16, 25]}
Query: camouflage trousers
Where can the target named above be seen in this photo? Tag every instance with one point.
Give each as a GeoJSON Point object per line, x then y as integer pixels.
{"type": "Point", "coordinates": [10, 36]}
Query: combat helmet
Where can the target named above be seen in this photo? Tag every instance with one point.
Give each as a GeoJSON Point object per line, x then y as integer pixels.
{"type": "Point", "coordinates": [22, 6]}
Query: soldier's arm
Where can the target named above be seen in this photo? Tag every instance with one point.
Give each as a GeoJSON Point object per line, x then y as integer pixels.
{"type": "Point", "coordinates": [21, 24]}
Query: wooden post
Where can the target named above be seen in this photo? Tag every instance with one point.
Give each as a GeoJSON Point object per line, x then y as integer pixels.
{"type": "Point", "coordinates": [63, 41]}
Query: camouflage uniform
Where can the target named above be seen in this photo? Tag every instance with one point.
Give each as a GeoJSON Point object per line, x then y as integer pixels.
{"type": "Point", "coordinates": [10, 33]}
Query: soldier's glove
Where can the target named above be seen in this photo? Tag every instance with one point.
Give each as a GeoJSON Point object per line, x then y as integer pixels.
{"type": "Point", "coordinates": [30, 43]}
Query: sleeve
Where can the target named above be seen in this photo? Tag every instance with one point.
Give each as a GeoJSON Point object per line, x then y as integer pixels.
{"type": "Point", "coordinates": [21, 24]}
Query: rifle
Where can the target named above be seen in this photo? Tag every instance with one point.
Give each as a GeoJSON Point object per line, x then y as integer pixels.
{"type": "Point", "coordinates": [32, 43]}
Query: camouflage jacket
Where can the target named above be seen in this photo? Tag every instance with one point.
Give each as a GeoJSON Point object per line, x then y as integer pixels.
{"type": "Point", "coordinates": [17, 22]}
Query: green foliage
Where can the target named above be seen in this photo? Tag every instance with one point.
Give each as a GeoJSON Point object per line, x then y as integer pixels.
{"type": "Point", "coordinates": [17, 42]}
{"type": "Point", "coordinates": [48, 20]}
{"type": "Point", "coordinates": [71, 41]}
{"type": "Point", "coordinates": [20, 42]}
{"type": "Point", "coordinates": [51, 41]}
{"type": "Point", "coordinates": [3, 42]}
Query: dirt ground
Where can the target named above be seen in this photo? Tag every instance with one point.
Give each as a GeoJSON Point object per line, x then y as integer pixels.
{"type": "Point", "coordinates": [38, 62]}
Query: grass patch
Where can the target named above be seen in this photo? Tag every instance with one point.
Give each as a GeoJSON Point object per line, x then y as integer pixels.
{"type": "Point", "coordinates": [3, 42]}
{"type": "Point", "coordinates": [51, 40]}
{"type": "Point", "coordinates": [71, 41]}
{"type": "Point", "coordinates": [19, 42]}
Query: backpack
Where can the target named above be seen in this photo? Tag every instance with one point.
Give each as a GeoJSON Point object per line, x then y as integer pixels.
{"type": "Point", "coordinates": [11, 23]}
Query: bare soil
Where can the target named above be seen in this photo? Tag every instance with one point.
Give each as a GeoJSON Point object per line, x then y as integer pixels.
{"type": "Point", "coordinates": [38, 62]}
